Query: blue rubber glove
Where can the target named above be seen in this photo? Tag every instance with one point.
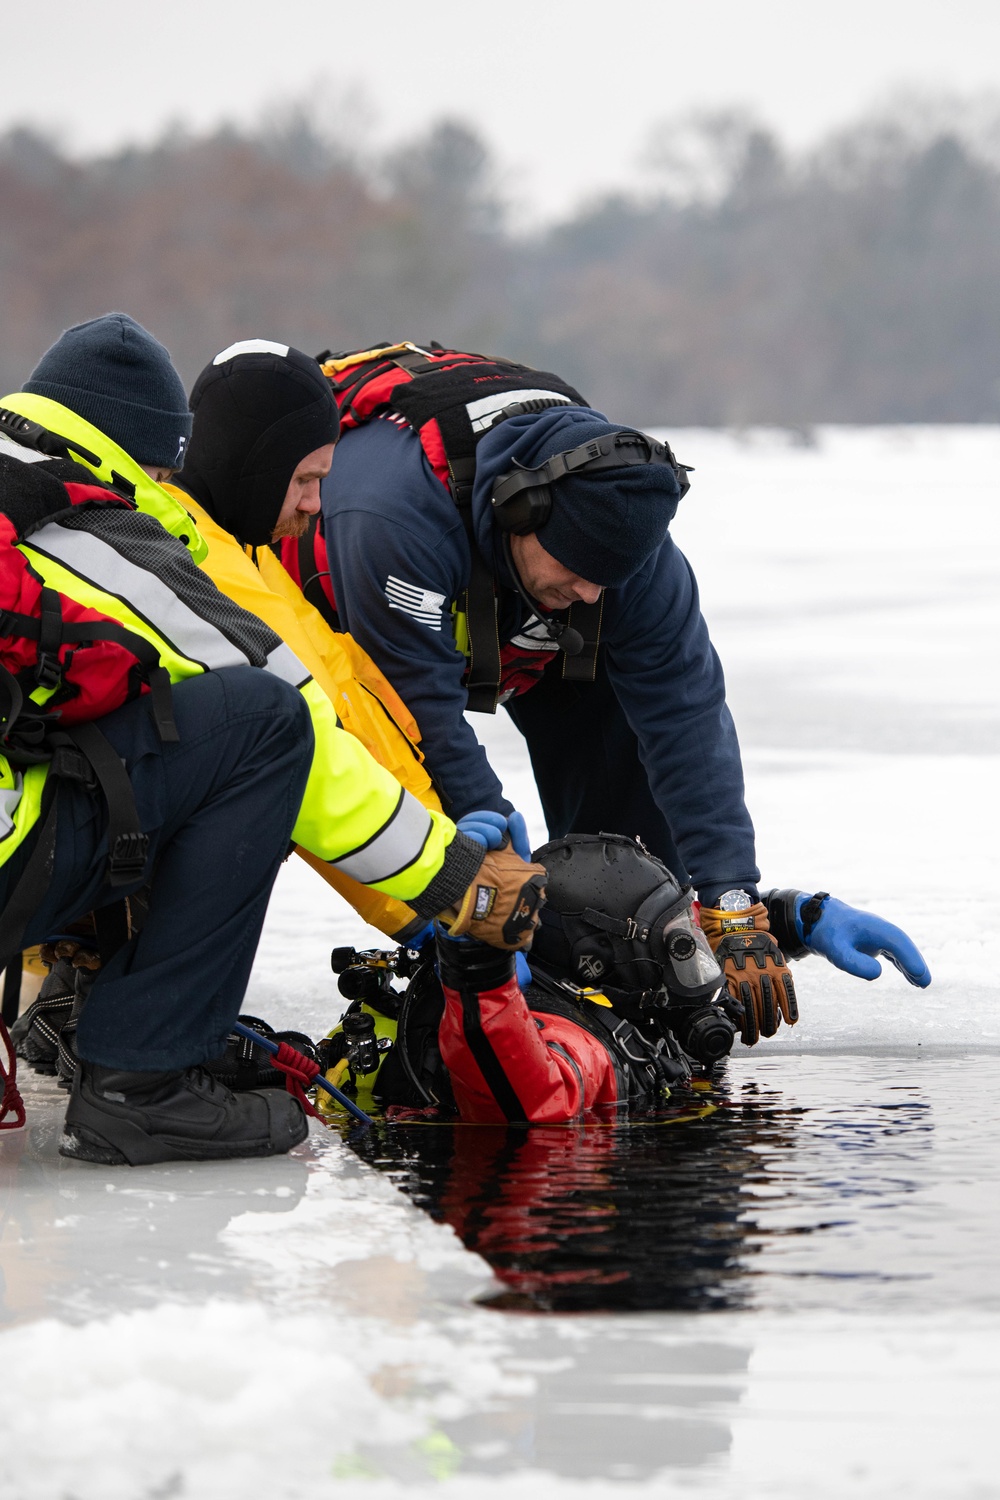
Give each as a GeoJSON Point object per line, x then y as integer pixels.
{"type": "Point", "coordinates": [518, 830]}
{"type": "Point", "coordinates": [855, 940]}
{"type": "Point", "coordinates": [420, 938]}
{"type": "Point", "coordinates": [487, 828]}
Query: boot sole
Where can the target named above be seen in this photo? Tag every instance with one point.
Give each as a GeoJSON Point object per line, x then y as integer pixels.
{"type": "Point", "coordinates": [137, 1149]}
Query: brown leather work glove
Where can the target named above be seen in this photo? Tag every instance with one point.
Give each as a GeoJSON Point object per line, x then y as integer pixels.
{"type": "Point", "coordinates": [759, 986]}
{"type": "Point", "coordinates": [501, 905]}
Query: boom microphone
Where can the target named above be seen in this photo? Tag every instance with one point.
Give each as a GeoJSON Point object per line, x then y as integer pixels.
{"type": "Point", "coordinates": [568, 640]}
{"type": "Point", "coordinates": [562, 636]}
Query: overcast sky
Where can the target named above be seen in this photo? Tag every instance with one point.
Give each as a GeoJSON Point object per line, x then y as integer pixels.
{"type": "Point", "coordinates": [565, 92]}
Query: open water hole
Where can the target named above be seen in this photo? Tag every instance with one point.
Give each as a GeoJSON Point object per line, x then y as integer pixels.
{"type": "Point", "coordinates": [836, 1182]}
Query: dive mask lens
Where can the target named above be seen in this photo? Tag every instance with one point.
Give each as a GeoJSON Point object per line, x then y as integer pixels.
{"type": "Point", "coordinates": [690, 970]}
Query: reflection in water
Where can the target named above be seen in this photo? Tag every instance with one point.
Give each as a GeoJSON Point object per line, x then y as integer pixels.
{"type": "Point", "coordinates": [667, 1214]}
{"type": "Point", "coordinates": [639, 1216]}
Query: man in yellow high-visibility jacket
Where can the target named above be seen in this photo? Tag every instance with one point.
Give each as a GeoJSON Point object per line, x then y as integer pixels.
{"type": "Point", "coordinates": [167, 999]}
{"type": "Point", "coordinates": [88, 401]}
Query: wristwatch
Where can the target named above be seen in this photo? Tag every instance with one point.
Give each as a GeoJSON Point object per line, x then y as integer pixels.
{"type": "Point", "coordinates": [734, 901]}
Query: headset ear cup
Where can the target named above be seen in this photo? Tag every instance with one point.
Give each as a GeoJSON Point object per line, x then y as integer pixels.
{"type": "Point", "coordinates": [527, 510]}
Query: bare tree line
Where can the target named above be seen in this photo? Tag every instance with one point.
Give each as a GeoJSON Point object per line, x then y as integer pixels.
{"type": "Point", "coordinates": [859, 282]}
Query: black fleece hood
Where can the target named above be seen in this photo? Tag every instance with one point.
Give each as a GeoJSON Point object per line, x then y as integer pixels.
{"type": "Point", "coordinates": [259, 408]}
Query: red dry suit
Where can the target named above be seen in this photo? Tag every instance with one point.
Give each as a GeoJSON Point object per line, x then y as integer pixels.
{"type": "Point", "coordinates": [539, 1060]}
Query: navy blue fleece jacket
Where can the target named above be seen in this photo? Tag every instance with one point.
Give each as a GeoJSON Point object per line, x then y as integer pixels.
{"type": "Point", "coordinates": [399, 559]}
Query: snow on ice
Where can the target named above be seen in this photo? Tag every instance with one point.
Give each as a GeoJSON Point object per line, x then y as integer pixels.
{"type": "Point", "coordinates": [298, 1327]}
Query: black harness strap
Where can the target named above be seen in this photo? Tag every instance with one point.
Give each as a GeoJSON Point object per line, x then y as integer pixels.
{"type": "Point", "coordinates": [483, 679]}
{"type": "Point", "coordinates": [586, 619]}
{"type": "Point", "coordinates": [310, 575]}
{"type": "Point", "coordinates": [31, 887]}
{"type": "Point", "coordinates": [481, 1047]}
{"type": "Point", "coordinates": [443, 394]}
{"type": "Point", "coordinates": [48, 672]}
{"type": "Point", "coordinates": [441, 390]}
{"type": "Point", "coordinates": [128, 846]}
{"type": "Point", "coordinates": [82, 755]}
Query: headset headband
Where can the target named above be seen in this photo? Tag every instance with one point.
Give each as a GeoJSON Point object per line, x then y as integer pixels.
{"type": "Point", "coordinates": [615, 451]}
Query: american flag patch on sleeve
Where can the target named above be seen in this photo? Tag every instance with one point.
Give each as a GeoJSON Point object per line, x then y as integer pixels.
{"type": "Point", "coordinates": [420, 604]}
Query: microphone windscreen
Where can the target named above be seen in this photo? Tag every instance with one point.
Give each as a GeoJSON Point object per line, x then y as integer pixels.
{"type": "Point", "coordinates": [570, 641]}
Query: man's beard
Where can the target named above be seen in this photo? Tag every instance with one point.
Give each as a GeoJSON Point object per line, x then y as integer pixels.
{"type": "Point", "coordinates": [296, 526]}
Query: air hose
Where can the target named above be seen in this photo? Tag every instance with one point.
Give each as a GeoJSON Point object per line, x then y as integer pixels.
{"type": "Point", "coordinates": [301, 1072]}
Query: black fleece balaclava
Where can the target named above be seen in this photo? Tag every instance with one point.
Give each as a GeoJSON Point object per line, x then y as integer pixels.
{"type": "Point", "coordinates": [259, 409]}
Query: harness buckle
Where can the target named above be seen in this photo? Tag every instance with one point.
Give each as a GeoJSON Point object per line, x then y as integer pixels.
{"type": "Point", "coordinates": [49, 671]}
{"type": "Point", "coordinates": [72, 765]}
{"type": "Point", "coordinates": [127, 858]}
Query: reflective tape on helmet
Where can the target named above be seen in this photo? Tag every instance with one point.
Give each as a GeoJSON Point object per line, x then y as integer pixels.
{"type": "Point", "coordinates": [398, 844]}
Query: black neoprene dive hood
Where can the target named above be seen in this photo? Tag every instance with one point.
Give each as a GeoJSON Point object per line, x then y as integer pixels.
{"type": "Point", "coordinates": [259, 409]}
{"type": "Point", "coordinates": [616, 919]}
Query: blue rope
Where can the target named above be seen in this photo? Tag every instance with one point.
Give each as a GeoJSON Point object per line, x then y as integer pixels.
{"type": "Point", "coordinates": [272, 1047]}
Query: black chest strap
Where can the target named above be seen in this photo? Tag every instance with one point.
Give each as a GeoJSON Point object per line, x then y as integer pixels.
{"type": "Point", "coordinates": [312, 577]}
{"type": "Point", "coordinates": [482, 681]}
{"type": "Point", "coordinates": [441, 390]}
{"type": "Point", "coordinates": [586, 619]}
{"type": "Point", "coordinates": [443, 395]}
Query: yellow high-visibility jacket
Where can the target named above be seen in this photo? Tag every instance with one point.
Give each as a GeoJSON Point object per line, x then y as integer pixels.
{"type": "Point", "coordinates": [357, 822]}
{"type": "Point", "coordinates": [365, 702]}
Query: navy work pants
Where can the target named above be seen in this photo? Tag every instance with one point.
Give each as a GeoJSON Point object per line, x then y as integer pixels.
{"type": "Point", "coordinates": [218, 807]}
{"type": "Point", "coordinates": [586, 761]}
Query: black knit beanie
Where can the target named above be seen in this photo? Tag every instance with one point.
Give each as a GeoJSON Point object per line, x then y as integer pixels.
{"type": "Point", "coordinates": [259, 409]}
{"type": "Point", "coordinates": [604, 525]}
{"type": "Point", "coordinates": [114, 374]}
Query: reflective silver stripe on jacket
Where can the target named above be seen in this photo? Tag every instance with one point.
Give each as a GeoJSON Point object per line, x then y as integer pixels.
{"type": "Point", "coordinates": [10, 798]}
{"type": "Point", "coordinates": [151, 600]}
{"type": "Point", "coordinates": [283, 662]}
{"type": "Point", "coordinates": [394, 848]}
{"type": "Point", "coordinates": [10, 449]}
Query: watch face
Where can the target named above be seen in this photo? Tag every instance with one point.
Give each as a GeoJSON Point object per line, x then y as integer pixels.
{"type": "Point", "coordinates": [735, 901]}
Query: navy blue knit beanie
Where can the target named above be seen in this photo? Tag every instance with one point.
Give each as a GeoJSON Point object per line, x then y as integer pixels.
{"type": "Point", "coordinates": [604, 525]}
{"type": "Point", "coordinates": [114, 374]}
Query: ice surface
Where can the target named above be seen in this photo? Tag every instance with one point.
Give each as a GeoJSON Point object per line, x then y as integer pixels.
{"type": "Point", "coordinates": [298, 1327]}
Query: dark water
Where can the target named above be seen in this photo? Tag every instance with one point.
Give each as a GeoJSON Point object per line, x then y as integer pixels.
{"type": "Point", "coordinates": [808, 1182]}
{"type": "Point", "coordinates": [792, 1179]}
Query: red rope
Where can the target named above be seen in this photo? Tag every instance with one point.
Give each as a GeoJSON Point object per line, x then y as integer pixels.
{"type": "Point", "coordinates": [299, 1073]}
{"type": "Point", "coordinates": [11, 1101]}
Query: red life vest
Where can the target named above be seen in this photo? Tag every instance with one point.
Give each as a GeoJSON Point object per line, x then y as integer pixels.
{"type": "Point", "coordinates": [62, 662]}
{"type": "Point", "coordinates": [450, 399]}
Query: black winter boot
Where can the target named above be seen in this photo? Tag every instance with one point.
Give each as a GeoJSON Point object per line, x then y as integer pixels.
{"type": "Point", "coordinates": [120, 1118]}
{"type": "Point", "coordinates": [68, 1061]}
{"type": "Point", "coordinates": [36, 1034]}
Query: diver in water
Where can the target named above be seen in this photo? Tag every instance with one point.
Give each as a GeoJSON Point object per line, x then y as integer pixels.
{"type": "Point", "coordinates": [626, 997]}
